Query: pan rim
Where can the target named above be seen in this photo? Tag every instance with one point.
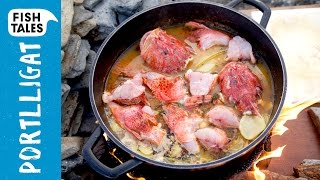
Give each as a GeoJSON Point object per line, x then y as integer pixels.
{"type": "Point", "coordinates": [210, 164]}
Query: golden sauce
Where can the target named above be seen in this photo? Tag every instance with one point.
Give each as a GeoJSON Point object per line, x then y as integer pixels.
{"type": "Point", "coordinates": [211, 60]}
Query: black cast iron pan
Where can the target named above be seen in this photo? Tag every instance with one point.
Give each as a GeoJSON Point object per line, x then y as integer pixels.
{"type": "Point", "coordinates": [224, 17]}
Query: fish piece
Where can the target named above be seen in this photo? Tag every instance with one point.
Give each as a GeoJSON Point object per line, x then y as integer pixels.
{"type": "Point", "coordinates": [165, 88]}
{"type": "Point", "coordinates": [183, 126]}
{"type": "Point", "coordinates": [200, 83]}
{"type": "Point", "coordinates": [194, 101]}
{"type": "Point", "coordinates": [163, 52]}
{"type": "Point", "coordinates": [213, 139]}
{"type": "Point", "coordinates": [130, 92]}
{"type": "Point", "coordinates": [223, 116]}
{"type": "Point", "coordinates": [240, 49]}
{"type": "Point", "coordinates": [240, 86]}
{"type": "Point", "coordinates": [206, 37]}
{"type": "Point", "coordinates": [139, 123]}
{"type": "Point", "coordinates": [148, 110]}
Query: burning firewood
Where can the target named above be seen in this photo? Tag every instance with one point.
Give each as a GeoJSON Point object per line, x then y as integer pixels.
{"type": "Point", "coordinates": [309, 168]}
{"type": "Point", "coordinates": [249, 175]}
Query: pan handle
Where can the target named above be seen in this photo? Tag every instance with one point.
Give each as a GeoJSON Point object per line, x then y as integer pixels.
{"type": "Point", "coordinates": [98, 166]}
{"type": "Point", "coordinates": [258, 4]}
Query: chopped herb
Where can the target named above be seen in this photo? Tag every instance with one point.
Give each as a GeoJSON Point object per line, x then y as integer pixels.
{"type": "Point", "coordinates": [162, 112]}
{"type": "Point", "coordinates": [179, 105]}
{"type": "Point", "coordinates": [215, 96]}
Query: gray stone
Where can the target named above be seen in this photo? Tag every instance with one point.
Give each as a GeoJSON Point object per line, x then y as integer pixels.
{"type": "Point", "coordinates": [68, 109]}
{"type": "Point", "coordinates": [62, 55]}
{"type": "Point", "coordinates": [286, 2]}
{"type": "Point", "coordinates": [67, 12]}
{"type": "Point", "coordinates": [106, 20]}
{"type": "Point", "coordinates": [90, 4]}
{"type": "Point", "coordinates": [218, 1]}
{"type": "Point", "coordinates": [70, 54]}
{"type": "Point", "coordinates": [73, 176]}
{"type": "Point", "coordinates": [76, 121]}
{"type": "Point", "coordinates": [85, 27]}
{"type": "Point", "coordinates": [126, 7]}
{"type": "Point", "coordinates": [77, 2]}
{"type": "Point", "coordinates": [80, 15]}
{"type": "Point", "coordinates": [80, 62]}
{"type": "Point", "coordinates": [90, 60]}
{"type": "Point", "coordinates": [88, 124]}
{"type": "Point", "coordinates": [308, 168]}
{"type": "Point", "coordinates": [70, 146]}
{"type": "Point", "coordinates": [310, 162]}
{"type": "Point", "coordinates": [65, 89]}
{"type": "Point", "coordinates": [69, 164]}
{"type": "Point", "coordinates": [84, 79]}
{"type": "Point", "coordinates": [150, 3]}
{"type": "Point", "coordinates": [121, 18]}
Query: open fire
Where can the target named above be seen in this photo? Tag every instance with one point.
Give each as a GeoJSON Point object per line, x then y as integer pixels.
{"type": "Point", "coordinates": [289, 112]}
{"type": "Point", "coordinates": [112, 153]}
{"type": "Point", "coordinates": [259, 175]}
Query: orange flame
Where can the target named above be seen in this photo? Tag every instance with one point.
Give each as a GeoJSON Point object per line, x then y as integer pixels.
{"type": "Point", "coordinates": [128, 174]}
{"type": "Point", "coordinates": [289, 112]}
{"type": "Point", "coordinates": [259, 175]}
{"type": "Point", "coordinates": [112, 154]}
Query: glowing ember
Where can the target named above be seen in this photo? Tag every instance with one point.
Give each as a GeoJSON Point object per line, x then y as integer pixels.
{"type": "Point", "coordinates": [259, 175]}
{"type": "Point", "coordinates": [128, 174]}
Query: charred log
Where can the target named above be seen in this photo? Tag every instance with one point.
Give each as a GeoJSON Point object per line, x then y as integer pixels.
{"type": "Point", "coordinates": [309, 168]}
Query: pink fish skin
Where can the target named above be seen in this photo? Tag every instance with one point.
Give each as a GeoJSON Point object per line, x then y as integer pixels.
{"type": "Point", "coordinates": [240, 49]}
{"type": "Point", "coordinates": [163, 52]}
{"type": "Point", "coordinates": [183, 127]}
{"type": "Point", "coordinates": [213, 139]}
{"type": "Point", "coordinates": [166, 89]}
{"type": "Point", "coordinates": [206, 37]}
{"type": "Point", "coordinates": [240, 86]}
{"type": "Point", "coordinates": [130, 92]}
{"type": "Point", "coordinates": [194, 101]}
{"type": "Point", "coordinates": [200, 83]}
{"type": "Point", "coordinates": [223, 116]}
{"type": "Point", "coordinates": [138, 122]}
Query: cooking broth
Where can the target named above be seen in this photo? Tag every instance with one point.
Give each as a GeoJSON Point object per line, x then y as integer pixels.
{"type": "Point", "coordinates": [211, 60]}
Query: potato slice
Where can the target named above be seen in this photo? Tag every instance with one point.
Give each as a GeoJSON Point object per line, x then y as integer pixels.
{"type": "Point", "coordinates": [237, 144]}
{"type": "Point", "coordinates": [129, 141]}
{"type": "Point", "coordinates": [251, 126]}
{"type": "Point", "coordinates": [176, 151]}
{"type": "Point", "coordinates": [145, 148]}
{"type": "Point", "coordinates": [206, 68]}
{"type": "Point", "coordinates": [204, 124]}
